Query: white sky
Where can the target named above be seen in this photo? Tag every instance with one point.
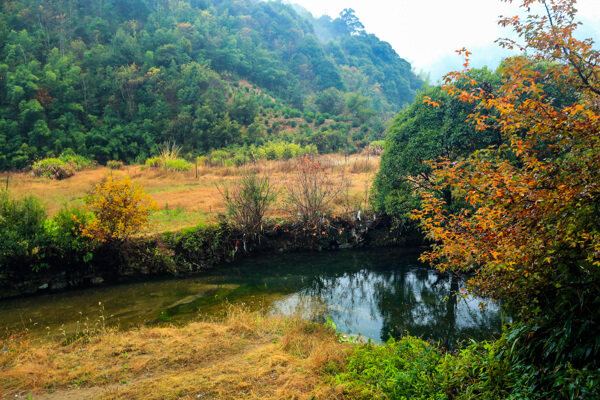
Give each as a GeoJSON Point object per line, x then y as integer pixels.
{"type": "Point", "coordinates": [427, 32]}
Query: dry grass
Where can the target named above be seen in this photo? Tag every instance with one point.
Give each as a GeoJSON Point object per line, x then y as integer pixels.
{"type": "Point", "coordinates": [244, 356]}
{"type": "Point", "coordinates": [186, 200]}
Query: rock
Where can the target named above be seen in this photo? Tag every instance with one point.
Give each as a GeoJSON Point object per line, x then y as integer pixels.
{"type": "Point", "coordinates": [58, 285]}
{"type": "Point", "coordinates": [97, 280]}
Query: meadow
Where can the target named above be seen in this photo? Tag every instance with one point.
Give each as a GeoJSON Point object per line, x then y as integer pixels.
{"type": "Point", "coordinates": [186, 199]}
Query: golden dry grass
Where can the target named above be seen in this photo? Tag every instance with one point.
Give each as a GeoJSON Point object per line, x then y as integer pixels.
{"type": "Point", "coordinates": [185, 200]}
{"type": "Point", "coordinates": [244, 356]}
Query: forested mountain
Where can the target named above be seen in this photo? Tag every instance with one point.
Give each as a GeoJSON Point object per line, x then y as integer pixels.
{"type": "Point", "coordinates": [111, 79]}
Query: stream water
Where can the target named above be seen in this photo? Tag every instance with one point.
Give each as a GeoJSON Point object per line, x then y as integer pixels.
{"type": "Point", "coordinates": [374, 293]}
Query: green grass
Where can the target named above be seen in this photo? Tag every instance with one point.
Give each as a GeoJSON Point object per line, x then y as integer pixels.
{"type": "Point", "coordinates": [165, 220]}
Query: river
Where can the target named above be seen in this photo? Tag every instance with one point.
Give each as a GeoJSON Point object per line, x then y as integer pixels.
{"type": "Point", "coordinates": [372, 293]}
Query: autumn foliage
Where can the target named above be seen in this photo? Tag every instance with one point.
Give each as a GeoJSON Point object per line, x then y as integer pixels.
{"type": "Point", "coordinates": [120, 208]}
{"type": "Point", "coordinates": [531, 226]}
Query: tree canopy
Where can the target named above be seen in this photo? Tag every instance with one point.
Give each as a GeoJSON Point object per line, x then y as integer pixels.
{"type": "Point", "coordinates": [113, 79]}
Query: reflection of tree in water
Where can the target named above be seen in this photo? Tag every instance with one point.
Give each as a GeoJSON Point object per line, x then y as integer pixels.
{"type": "Point", "coordinates": [395, 301]}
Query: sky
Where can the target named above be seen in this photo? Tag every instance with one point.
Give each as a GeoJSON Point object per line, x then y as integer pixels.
{"type": "Point", "coordinates": [427, 32]}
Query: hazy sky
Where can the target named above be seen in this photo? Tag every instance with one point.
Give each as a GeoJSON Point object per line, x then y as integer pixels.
{"type": "Point", "coordinates": [426, 32]}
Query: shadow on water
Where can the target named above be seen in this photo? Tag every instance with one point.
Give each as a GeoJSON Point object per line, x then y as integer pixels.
{"type": "Point", "coordinates": [375, 293]}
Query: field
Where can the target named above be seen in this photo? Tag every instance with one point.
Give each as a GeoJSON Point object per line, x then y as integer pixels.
{"type": "Point", "coordinates": [186, 200]}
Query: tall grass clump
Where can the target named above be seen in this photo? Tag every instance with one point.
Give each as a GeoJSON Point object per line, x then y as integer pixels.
{"type": "Point", "coordinates": [169, 159]}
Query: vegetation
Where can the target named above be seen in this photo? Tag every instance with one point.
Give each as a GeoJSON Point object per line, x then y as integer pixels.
{"type": "Point", "coordinates": [113, 80]}
{"type": "Point", "coordinates": [248, 201]}
{"type": "Point", "coordinates": [244, 355]}
{"type": "Point", "coordinates": [22, 232]}
{"type": "Point", "coordinates": [119, 208]}
{"type": "Point", "coordinates": [422, 133]}
{"type": "Point", "coordinates": [311, 191]}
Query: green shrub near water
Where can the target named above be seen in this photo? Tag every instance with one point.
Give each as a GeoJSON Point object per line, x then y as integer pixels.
{"type": "Point", "coordinates": [23, 233]}
{"type": "Point", "coordinates": [410, 368]}
{"type": "Point", "coordinates": [65, 231]}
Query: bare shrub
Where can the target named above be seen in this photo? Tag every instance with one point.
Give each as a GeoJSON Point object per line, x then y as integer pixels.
{"type": "Point", "coordinates": [311, 191]}
{"type": "Point", "coordinates": [248, 201]}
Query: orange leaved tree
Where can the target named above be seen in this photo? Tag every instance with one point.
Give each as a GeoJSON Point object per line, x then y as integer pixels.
{"type": "Point", "coordinates": [120, 209]}
{"type": "Point", "coordinates": [530, 230]}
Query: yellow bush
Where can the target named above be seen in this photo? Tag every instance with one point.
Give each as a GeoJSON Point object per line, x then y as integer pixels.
{"type": "Point", "coordinates": [120, 209]}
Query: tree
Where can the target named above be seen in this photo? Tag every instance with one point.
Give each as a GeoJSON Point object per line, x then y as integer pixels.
{"type": "Point", "coordinates": [531, 231]}
{"type": "Point", "coordinates": [120, 209]}
{"type": "Point", "coordinates": [351, 21]}
{"type": "Point", "coordinates": [422, 133]}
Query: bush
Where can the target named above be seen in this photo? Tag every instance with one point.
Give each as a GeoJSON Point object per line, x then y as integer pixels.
{"type": "Point", "coordinates": [248, 201]}
{"type": "Point", "coordinates": [53, 168]}
{"type": "Point", "coordinates": [154, 162]}
{"type": "Point", "coordinates": [120, 209]}
{"type": "Point", "coordinates": [77, 162]}
{"type": "Point", "coordinates": [66, 231]}
{"type": "Point", "coordinates": [311, 191]}
{"type": "Point", "coordinates": [113, 164]}
{"type": "Point", "coordinates": [23, 234]}
{"type": "Point", "coordinates": [177, 165]}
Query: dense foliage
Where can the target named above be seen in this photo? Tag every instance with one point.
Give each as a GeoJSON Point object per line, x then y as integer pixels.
{"type": "Point", "coordinates": [113, 79]}
{"type": "Point", "coordinates": [410, 368]}
{"type": "Point", "coordinates": [422, 133]}
{"type": "Point", "coordinates": [529, 229]}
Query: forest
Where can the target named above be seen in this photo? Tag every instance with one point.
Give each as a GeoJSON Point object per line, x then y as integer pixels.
{"type": "Point", "coordinates": [113, 80]}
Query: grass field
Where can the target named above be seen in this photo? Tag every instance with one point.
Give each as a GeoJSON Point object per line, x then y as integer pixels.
{"type": "Point", "coordinates": [186, 200]}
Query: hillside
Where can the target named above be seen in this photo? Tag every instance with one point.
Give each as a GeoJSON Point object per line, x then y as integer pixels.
{"type": "Point", "coordinates": [113, 79]}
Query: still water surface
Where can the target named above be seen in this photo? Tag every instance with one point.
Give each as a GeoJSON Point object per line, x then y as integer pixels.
{"type": "Point", "coordinates": [374, 293]}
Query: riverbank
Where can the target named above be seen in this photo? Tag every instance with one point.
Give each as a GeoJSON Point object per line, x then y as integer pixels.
{"type": "Point", "coordinates": [245, 355]}
{"type": "Point", "coordinates": [191, 251]}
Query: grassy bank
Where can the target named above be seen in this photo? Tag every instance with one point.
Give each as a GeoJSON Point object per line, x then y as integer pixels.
{"type": "Point", "coordinates": [245, 355]}
{"type": "Point", "coordinates": [184, 199]}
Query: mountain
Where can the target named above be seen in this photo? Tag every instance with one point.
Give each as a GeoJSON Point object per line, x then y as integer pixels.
{"type": "Point", "coordinates": [112, 79]}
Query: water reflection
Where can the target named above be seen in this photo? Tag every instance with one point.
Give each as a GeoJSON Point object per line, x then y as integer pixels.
{"type": "Point", "coordinates": [377, 294]}
{"type": "Point", "coordinates": [393, 296]}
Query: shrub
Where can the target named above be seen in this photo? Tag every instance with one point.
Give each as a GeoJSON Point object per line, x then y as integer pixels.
{"type": "Point", "coordinates": [248, 201]}
{"type": "Point", "coordinates": [154, 162]}
{"type": "Point", "coordinates": [23, 234]}
{"type": "Point", "coordinates": [177, 165]}
{"type": "Point", "coordinates": [113, 164]}
{"type": "Point", "coordinates": [311, 191]}
{"type": "Point", "coordinates": [53, 168]}
{"type": "Point", "coordinates": [120, 209]}
{"type": "Point", "coordinates": [66, 230]}
{"type": "Point", "coordinates": [77, 162]}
